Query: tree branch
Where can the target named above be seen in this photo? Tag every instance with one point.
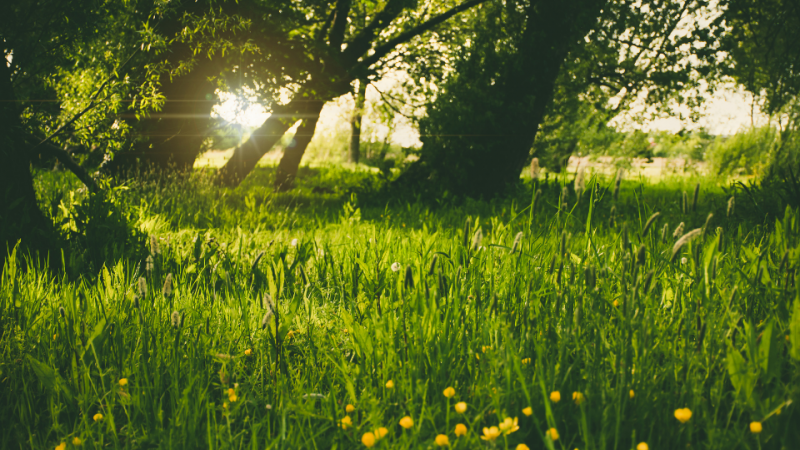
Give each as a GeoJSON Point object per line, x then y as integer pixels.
{"type": "Point", "coordinates": [65, 159]}
{"type": "Point", "coordinates": [384, 49]}
{"type": "Point", "coordinates": [339, 25]}
{"type": "Point", "coordinates": [363, 41]}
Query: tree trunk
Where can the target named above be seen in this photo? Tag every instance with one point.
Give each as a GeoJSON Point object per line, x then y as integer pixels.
{"type": "Point", "coordinates": [355, 122]}
{"type": "Point", "coordinates": [173, 137]}
{"type": "Point", "coordinates": [480, 152]}
{"type": "Point", "coordinates": [290, 162]}
{"type": "Point", "coordinates": [21, 220]}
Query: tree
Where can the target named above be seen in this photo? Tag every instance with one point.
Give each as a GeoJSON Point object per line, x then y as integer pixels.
{"type": "Point", "coordinates": [42, 40]}
{"type": "Point", "coordinates": [339, 52]}
{"type": "Point", "coordinates": [479, 132]}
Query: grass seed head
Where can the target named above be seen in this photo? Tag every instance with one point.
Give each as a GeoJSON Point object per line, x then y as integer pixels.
{"type": "Point", "coordinates": [409, 280]}
{"type": "Point", "coordinates": [641, 255]}
{"type": "Point", "coordinates": [650, 223]}
{"type": "Point", "coordinates": [580, 181]}
{"type": "Point", "coordinates": [477, 238]}
{"type": "Point", "coordinates": [167, 290]}
{"type": "Point", "coordinates": [142, 285]}
{"type": "Point", "coordinates": [535, 169]}
{"type": "Point", "coordinates": [648, 280]}
{"type": "Point", "coordinates": [517, 240]}
{"type": "Point", "coordinates": [708, 221]}
{"type": "Point", "coordinates": [684, 203]}
{"type": "Point", "coordinates": [62, 312]}
{"type": "Point", "coordinates": [685, 239]}
{"type": "Point", "coordinates": [433, 265]}
{"type": "Point", "coordinates": [731, 206]}
{"type": "Point", "coordinates": [175, 319]}
{"type": "Point", "coordinates": [552, 265]}
{"type": "Point", "coordinates": [679, 230]}
{"type": "Point", "coordinates": [617, 184]}
{"type": "Point", "coordinates": [695, 197]}
{"type": "Point", "coordinates": [564, 194]}
{"type": "Point", "coordinates": [664, 232]}
{"type": "Point", "coordinates": [562, 248]}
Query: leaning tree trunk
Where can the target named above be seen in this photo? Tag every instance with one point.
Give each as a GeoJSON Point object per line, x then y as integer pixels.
{"type": "Point", "coordinates": [21, 220]}
{"type": "Point", "coordinates": [355, 122]}
{"type": "Point", "coordinates": [246, 156]}
{"type": "Point", "coordinates": [480, 153]}
{"type": "Point", "coordinates": [290, 162]}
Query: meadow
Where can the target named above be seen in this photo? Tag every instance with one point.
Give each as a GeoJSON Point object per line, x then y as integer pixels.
{"type": "Point", "coordinates": [602, 313]}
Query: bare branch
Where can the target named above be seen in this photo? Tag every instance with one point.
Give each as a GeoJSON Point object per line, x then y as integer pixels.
{"type": "Point", "coordinates": [65, 159]}
{"type": "Point", "coordinates": [339, 25]}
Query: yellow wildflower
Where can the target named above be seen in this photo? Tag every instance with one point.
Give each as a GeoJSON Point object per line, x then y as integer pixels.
{"type": "Point", "coordinates": [97, 417]}
{"type": "Point", "coordinates": [406, 422]}
{"type": "Point", "coordinates": [123, 382]}
{"type": "Point", "coordinates": [683, 414]}
{"type": "Point", "coordinates": [522, 447]}
{"type": "Point", "coordinates": [442, 441]}
{"type": "Point", "coordinates": [225, 405]}
{"type": "Point", "coordinates": [578, 398]}
{"type": "Point", "coordinates": [461, 429]}
{"type": "Point", "coordinates": [616, 303]}
{"type": "Point", "coordinates": [61, 446]}
{"type": "Point", "coordinates": [485, 347]}
{"type": "Point", "coordinates": [642, 446]}
{"type": "Point", "coordinates": [508, 426]}
{"type": "Point", "coordinates": [490, 434]}
{"type": "Point", "coordinates": [76, 441]}
{"type": "Point", "coordinates": [555, 396]}
{"type": "Point", "coordinates": [527, 411]}
{"type": "Point", "coordinates": [346, 422]}
{"type": "Point", "coordinates": [368, 439]}
{"type": "Point", "coordinates": [55, 336]}
{"type": "Point", "coordinates": [449, 392]}
{"type": "Point", "coordinates": [461, 407]}
{"type": "Point", "coordinates": [755, 427]}
{"type": "Point", "coordinates": [233, 398]}
{"type": "Point", "coordinates": [381, 432]}
{"type": "Point", "coordinates": [552, 433]}
{"type": "Point", "coordinates": [526, 360]}
{"type": "Point", "coordinates": [344, 331]}
{"type": "Point", "coordinates": [631, 394]}
{"type": "Point", "coordinates": [349, 408]}
{"type": "Point", "coordinates": [231, 392]}
{"type": "Point", "coordinates": [248, 352]}
{"type": "Point", "coordinates": [389, 384]}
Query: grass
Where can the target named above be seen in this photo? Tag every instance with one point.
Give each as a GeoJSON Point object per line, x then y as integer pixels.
{"type": "Point", "coordinates": [282, 310]}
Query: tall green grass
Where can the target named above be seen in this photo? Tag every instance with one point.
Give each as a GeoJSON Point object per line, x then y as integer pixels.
{"type": "Point", "coordinates": [267, 331]}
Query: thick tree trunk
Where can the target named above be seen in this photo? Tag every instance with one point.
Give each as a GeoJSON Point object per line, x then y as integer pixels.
{"type": "Point", "coordinates": [480, 153]}
{"type": "Point", "coordinates": [21, 220]}
{"type": "Point", "coordinates": [355, 122]}
{"type": "Point", "coordinates": [290, 162]}
{"type": "Point", "coordinates": [173, 137]}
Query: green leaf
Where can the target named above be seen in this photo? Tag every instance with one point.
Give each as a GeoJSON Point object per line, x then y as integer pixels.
{"type": "Point", "coordinates": [794, 331]}
{"type": "Point", "coordinates": [769, 356]}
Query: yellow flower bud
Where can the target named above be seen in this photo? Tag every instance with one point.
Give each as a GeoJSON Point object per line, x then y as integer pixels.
{"type": "Point", "coordinates": [578, 398]}
{"type": "Point", "coordinates": [642, 446]}
{"type": "Point", "coordinates": [123, 382]}
{"type": "Point", "coordinates": [349, 408]}
{"type": "Point", "coordinates": [461, 429]}
{"type": "Point", "coordinates": [406, 422]}
{"type": "Point", "coordinates": [61, 446]}
{"type": "Point", "coordinates": [442, 441]}
{"type": "Point", "coordinates": [389, 384]}
{"type": "Point", "coordinates": [552, 433]}
{"type": "Point", "coordinates": [755, 427]}
{"type": "Point", "coordinates": [632, 394]}
{"type": "Point", "coordinates": [461, 407]}
{"type": "Point", "coordinates": [683, 414]}
{"type": "Point", "coordinates": [368, 439]}
{"type": "Point", "coordinates": [76, 441]}
{"type": "Point", "coordinates": [555, 396]}
{"type": "Point", "coordinates": [527, 411]}
{"type": "Point", "coordinates": [381, 432]}
{"type": "Point", "coordinates": [522, 447]}
{"type": "Point", "coordinates": [347, 422]}
{"type": "Point", "coordinates": [97, 417]}
{"type": "Point", "coordinates": [449, 392]}
{"type": "Point", "coordinates": [248, 352]}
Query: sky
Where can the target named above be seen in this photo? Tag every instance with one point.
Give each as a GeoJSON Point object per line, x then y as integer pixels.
{"type": "Point", "coordinates": [725, 112]}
